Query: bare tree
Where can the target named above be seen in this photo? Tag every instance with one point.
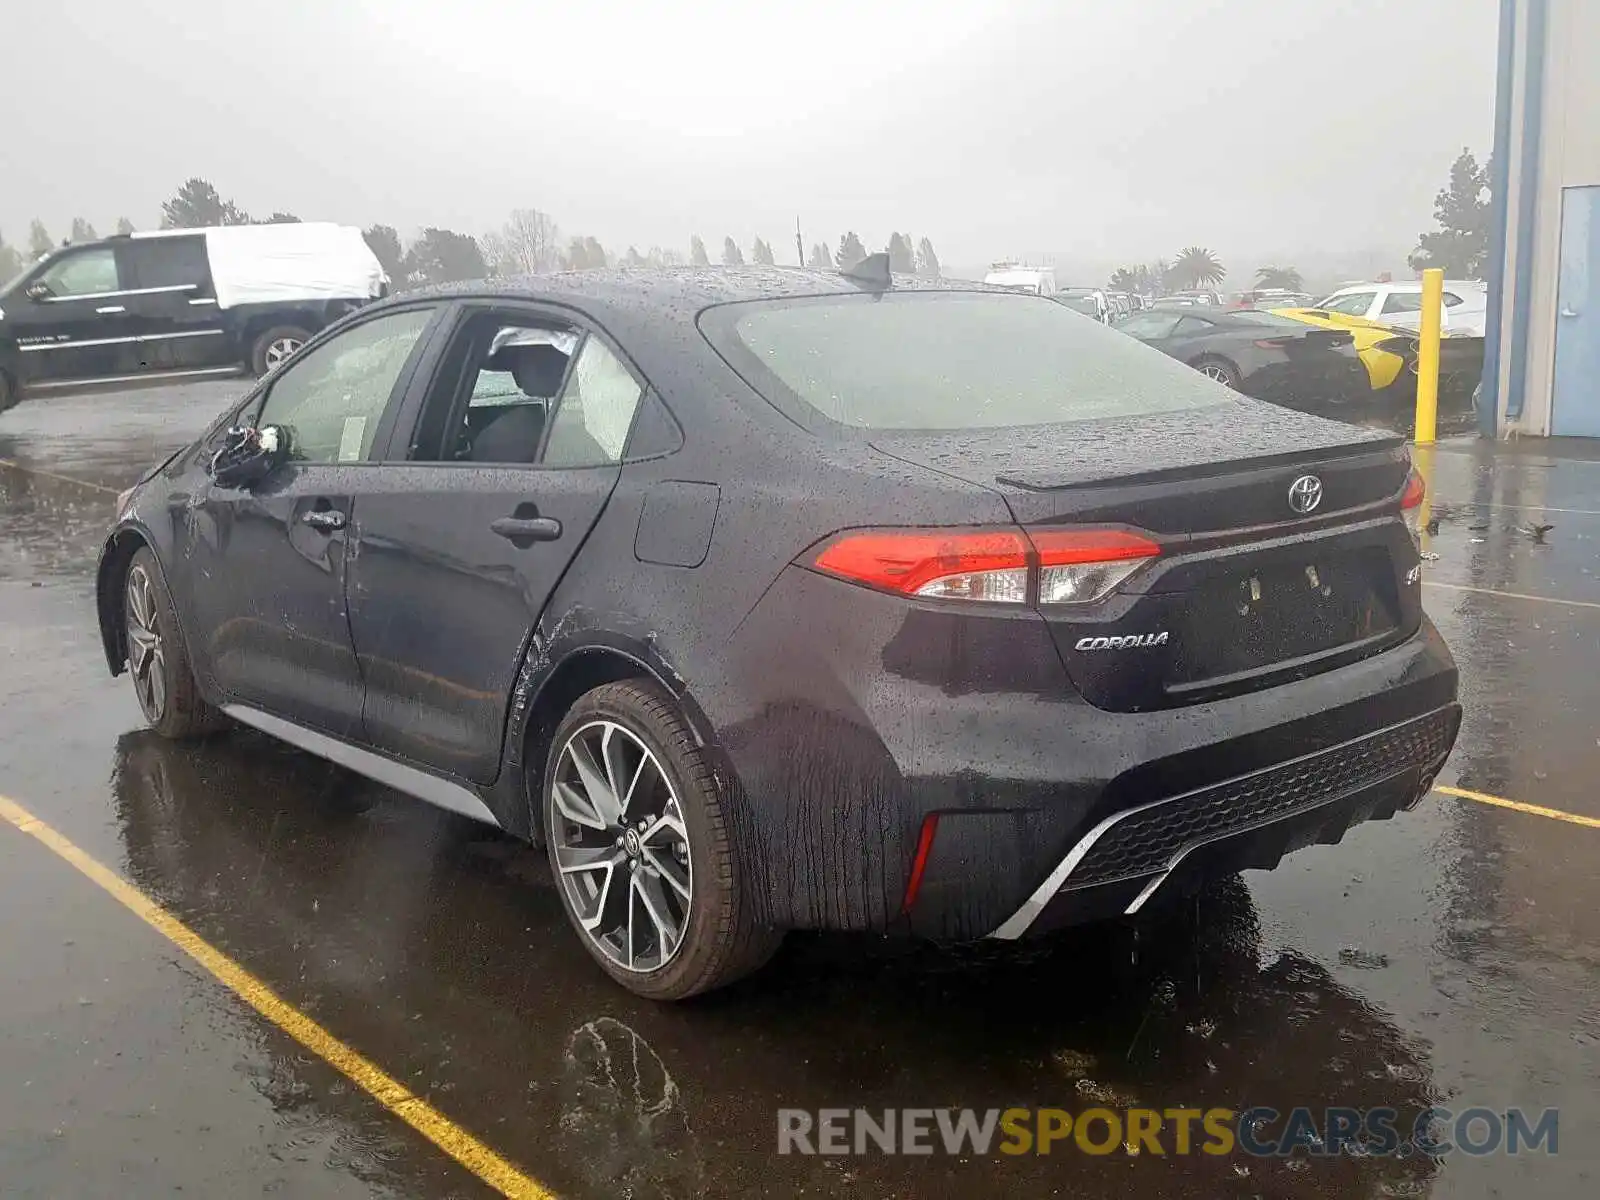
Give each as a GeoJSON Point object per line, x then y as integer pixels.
{"type": "Point", "coordinates": [527, 244]}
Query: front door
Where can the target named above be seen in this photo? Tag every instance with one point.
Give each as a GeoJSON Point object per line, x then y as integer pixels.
{"type": "Point", "coordinates": [265, 567]}
{"type": "Point", "coordinates": [1575, 407]}
{"type": "Point", "coordinates": [71, 320]}
{"type": "Point", "coordinates": [517, 449]}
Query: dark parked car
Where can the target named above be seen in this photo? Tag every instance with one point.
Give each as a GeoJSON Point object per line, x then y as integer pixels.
{"type": "Point", "coordinates": [148, 307]}
{"type": "Point", "coordinates": [780, 599]}
{"type": "Point", "coordinates": [1257, 353]}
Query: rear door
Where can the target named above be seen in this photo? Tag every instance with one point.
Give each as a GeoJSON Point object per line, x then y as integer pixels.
{"type": "Point", "coordinates": [173, 304]}
{"type": "Point", "coordinates": [491, 490]}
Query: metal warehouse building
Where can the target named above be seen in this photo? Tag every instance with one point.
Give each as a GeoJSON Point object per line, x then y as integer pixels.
{"type": "Point", "coordinates": [1542, 351]}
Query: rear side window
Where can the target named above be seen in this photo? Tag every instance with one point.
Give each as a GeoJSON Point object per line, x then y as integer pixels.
{"type": "Point", "coordinates": [946, 360]}
{"type": "Point", "coordinates": [1402, 302]}
{"type": "Point", "coordinates": [168, 262]}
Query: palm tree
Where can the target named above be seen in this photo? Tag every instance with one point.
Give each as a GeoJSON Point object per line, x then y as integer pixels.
{"type": "Point", "coordinates": [1124, 280]}
{"type": "Point", "coordinates": [1286, 278]}
{"type": "Point", "coordinates": [1196, 267]}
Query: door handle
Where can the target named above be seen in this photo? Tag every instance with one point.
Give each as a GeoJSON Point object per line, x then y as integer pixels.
{"type": "Point", "coordinates": [111, 308]}
{"type": "Point", "coordinates": [522, 532]}
{"type": "Point", "coordinates": [324, 518]}
{"type": "Point", "coordinates": [1569, 312]}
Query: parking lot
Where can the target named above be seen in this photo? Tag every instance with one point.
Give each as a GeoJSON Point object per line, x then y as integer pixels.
{"type": "Point", "coordinates": [1449, 957]}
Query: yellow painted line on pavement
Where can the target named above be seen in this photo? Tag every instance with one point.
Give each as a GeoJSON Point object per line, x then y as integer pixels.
{"type": "Point", "coordinates": [490, 1167]}
{"type": "Point", "coordinates": [43, 474]}
{"type": "Point", "coordinates": [1536, 810]}
{"type": "Point", "coordinates": [1461, 587]}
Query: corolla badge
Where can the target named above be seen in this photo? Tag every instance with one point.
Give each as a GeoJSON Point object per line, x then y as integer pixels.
{"type": "Point", "coordinates": [1126, 642]}
{"type": "Point", "coordinates": [1305, 494]}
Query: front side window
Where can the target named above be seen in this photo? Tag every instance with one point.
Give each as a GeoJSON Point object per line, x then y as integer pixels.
{"type": "Point", "coordinates": [86, 273]}
{"type": "Point", "coordinates": [946, 360]}
{"type": "Point", "coordinates": [1193, 327]}
{"type": "Point", "coordinates": [1353, 305]}
{"type": "Point", "coordinates": [1150, 324]}
{"type": "Point", "coordinates": [332, 398]}
{"type": "Point", "coordinates": [1402, 302]}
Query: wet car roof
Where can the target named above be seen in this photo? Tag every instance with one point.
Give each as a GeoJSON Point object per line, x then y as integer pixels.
{"type": "Point", "coordinates": [693, 288]}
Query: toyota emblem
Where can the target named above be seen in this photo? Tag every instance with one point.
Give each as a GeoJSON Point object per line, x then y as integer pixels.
{"type": "Point", "coordinates": [1305, 494]}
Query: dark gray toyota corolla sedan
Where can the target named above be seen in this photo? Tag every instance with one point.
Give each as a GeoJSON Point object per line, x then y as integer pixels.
{"type": "Point", "coordinates": [777, 599]}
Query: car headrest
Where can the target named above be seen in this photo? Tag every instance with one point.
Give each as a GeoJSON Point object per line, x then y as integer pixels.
{"type": "Point", "coordinates": [538, 369]}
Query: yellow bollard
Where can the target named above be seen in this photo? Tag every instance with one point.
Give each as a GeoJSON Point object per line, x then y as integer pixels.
{"type": "Point", "coordinates": [1428, 357]}
{"type": "Point", "coordinates": [1422, 460]}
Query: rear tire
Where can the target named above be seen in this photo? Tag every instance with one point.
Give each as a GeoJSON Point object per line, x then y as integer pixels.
{"type": "Point", "coordinates": [667, 910]}
{"type": "Point", "coordinates": [1218, 369]}
{"type": "Point", "coordinates": [157, 662]}
{"type": "Point", "coordinates": [274, 345]}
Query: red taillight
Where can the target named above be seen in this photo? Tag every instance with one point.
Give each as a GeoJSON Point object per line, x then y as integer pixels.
{"type": "Point", "coordinates": [1058, 566]}
{"type": "Point", "coordinates": [1415, 490]}
{"type": "Point", "coordinates": [930, 827]}
{"type": "Point", "coordinates": [932, 562]}
{"type": "Point", "coordinates": [1064, 547]}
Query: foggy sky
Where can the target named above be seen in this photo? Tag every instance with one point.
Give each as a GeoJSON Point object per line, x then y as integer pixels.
{"type": "Point", "coordinates": [1121, 129]}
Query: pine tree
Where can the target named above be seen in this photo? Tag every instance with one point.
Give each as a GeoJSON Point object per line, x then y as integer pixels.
{"type": "Point", "coordinates": [902, 259]}
{"type": "Point", "coordinates": [39, 239]}
{"type": "Point", "coordinates": [697, 252]}
{"type": "Point", "coordinates": [820, 259]}
{"type": "Point", "coordinates": [384, 243]}
{"type": "Point", "coordinates": [124, 226]}
{"type": "Point", "coordinates": [633, 258]}
{"type": "Point", "coordinates": [1461, 243]}
{"type": "Point", "coordinates": [197, 205]}
{"type": "Point", "coordinates": [762, 253]}
{"type": "Point", "coordinates": [10, 260]}
{"type": "Point", "coordinates": [82, 231]}
{"type": "Point", "coordinates": [732, 256]}
{"type": "Point", "coordinates": [851, 252]}
{"type": "Point", "coordinates": [927, 259]}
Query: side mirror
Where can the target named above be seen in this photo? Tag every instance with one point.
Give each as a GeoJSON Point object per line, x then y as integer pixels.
{"type": "Point", "coordinates": [38, 290]}
{"type": "Point", "coordinates": [247, 455]}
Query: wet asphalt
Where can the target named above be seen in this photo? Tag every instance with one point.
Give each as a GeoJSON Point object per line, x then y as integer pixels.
{"type": "Point", "coordinates": [1449, 957]}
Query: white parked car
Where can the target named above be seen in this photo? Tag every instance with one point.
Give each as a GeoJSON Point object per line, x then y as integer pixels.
{"type": "Point", "coordinates": [1466, 305]}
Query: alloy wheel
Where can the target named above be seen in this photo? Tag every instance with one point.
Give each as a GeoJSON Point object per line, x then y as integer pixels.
{"type": "Point", "coordinates": [147, 656]}
{"type": "Point", "coordinates": [1216, 372]}
{"type": "Point", "coordinates": [621, 846]}
{"type": "Point", "coordinates": [279, 349]}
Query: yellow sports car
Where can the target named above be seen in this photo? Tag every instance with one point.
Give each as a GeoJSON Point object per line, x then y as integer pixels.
{"type": "Point", "coordinates": [1384, 351]}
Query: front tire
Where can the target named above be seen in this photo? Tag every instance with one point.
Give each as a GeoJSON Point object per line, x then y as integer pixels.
{"type": "Point", "coordinates": [641, 850]}
{"type": "Point", "coordinates": [275, 345]}
{"type": "Point", "coordinates": [157, 663]}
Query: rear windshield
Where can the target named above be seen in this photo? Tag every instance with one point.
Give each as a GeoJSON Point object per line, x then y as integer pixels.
{"type": "Point", "coordinates": [947, 360]}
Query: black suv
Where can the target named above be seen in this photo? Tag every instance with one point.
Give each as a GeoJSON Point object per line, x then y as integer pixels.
{"type": "Point", "coordinates": [180, 302]}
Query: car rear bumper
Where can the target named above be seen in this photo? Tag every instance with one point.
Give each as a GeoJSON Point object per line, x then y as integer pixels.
{"type": "Point", "coordinates": [848, 719]}
{"type": "Point", "coordinates": [1169, 847]}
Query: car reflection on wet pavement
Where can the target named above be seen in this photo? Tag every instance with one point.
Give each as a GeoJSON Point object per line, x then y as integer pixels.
{"type": "Point", "coordinates": [1447, 957]}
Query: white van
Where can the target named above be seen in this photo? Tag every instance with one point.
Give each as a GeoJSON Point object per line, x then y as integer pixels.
{"type": "Point", "coordinates": [1033, 280]}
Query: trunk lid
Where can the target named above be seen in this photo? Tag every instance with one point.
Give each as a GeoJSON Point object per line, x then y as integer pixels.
{"type": "Point", "coordinates": [1247, 592]}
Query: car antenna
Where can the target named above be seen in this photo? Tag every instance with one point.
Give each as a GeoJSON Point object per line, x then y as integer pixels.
{"type": "Point", "coordinates": [872, 272]}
